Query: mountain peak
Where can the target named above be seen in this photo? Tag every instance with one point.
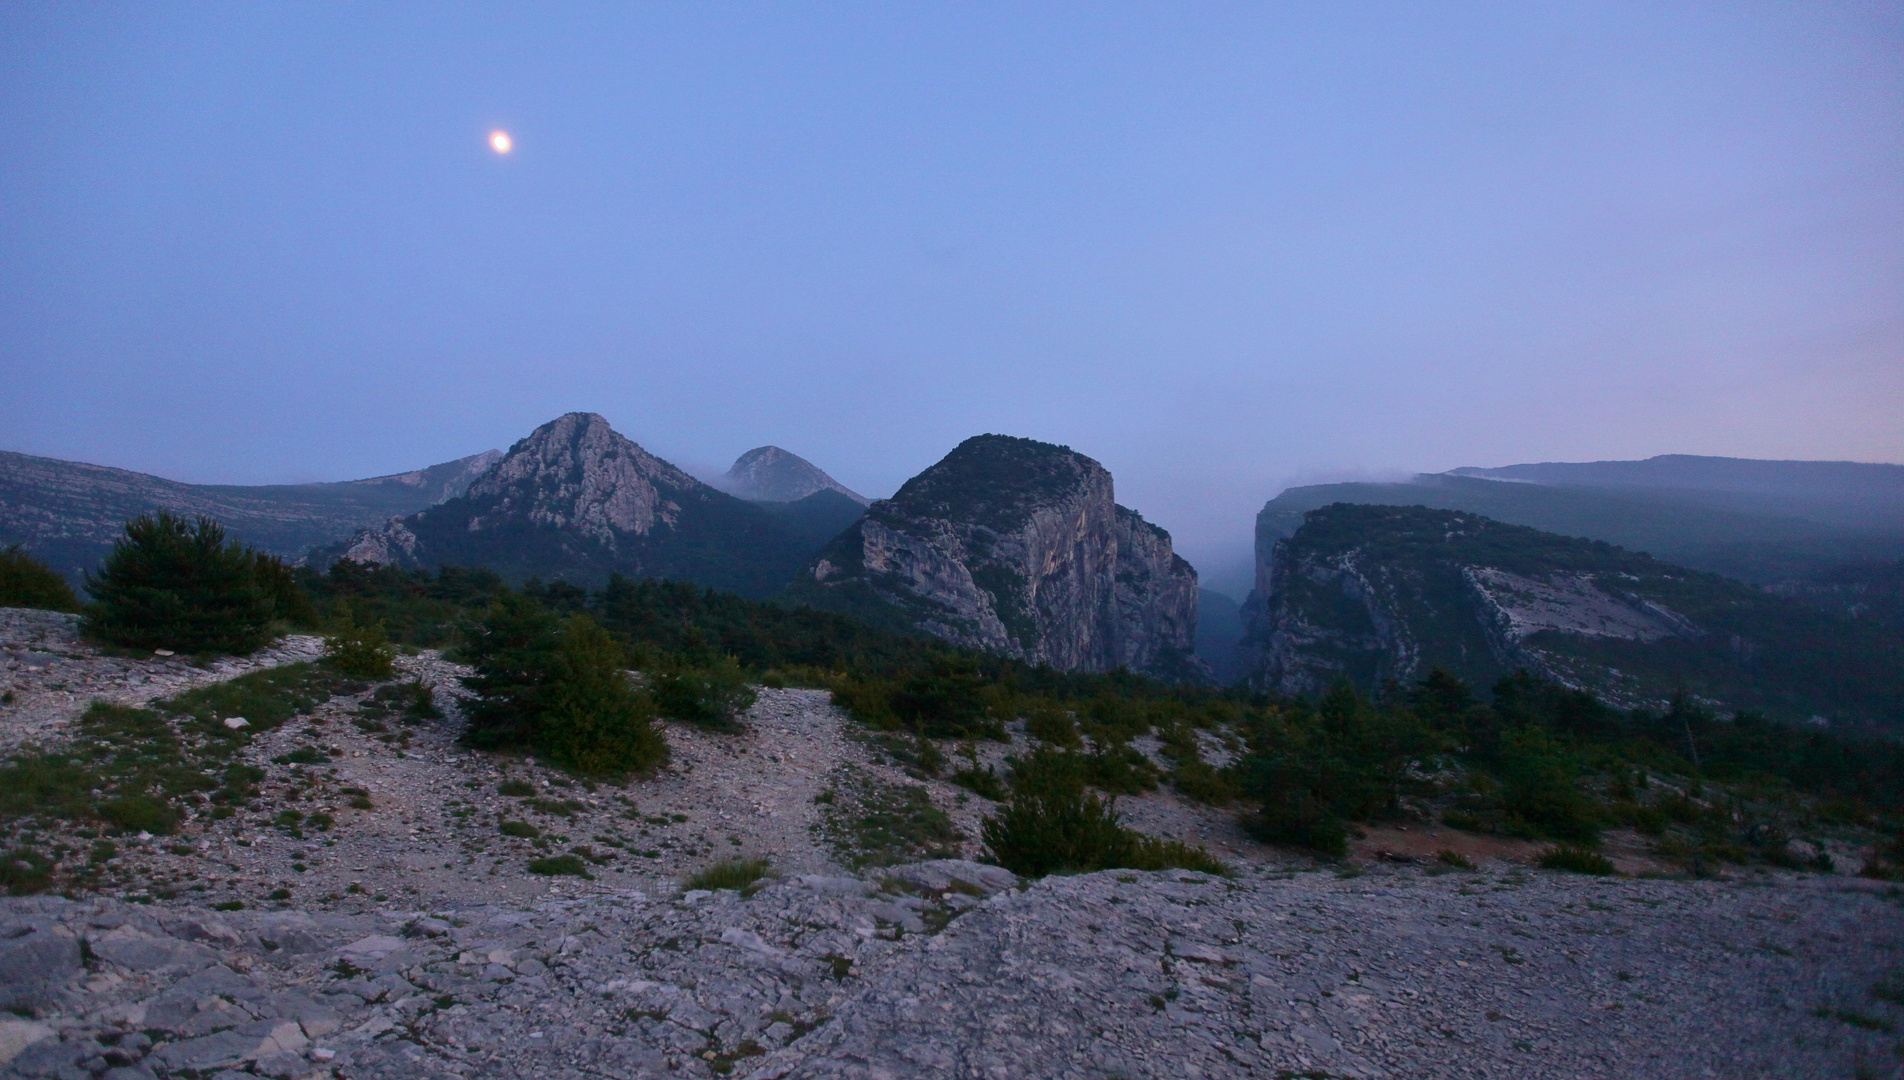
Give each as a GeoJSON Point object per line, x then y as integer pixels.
{"type": "Point", "coordinates": [770, 474]}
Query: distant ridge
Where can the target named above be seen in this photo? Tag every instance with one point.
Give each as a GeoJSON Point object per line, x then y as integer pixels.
{"type": "Point", "coordinates": [68, 513]}
{"type": "Point", "coordinates": [770, 474]}
{"type": "Point", "coordinates": [1861, 496]}
{"type": "Point", "coordinates": [1759, 521]}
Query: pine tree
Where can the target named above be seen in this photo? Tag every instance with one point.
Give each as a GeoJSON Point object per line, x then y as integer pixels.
{"type": "Point", "coordinates": [590, 719]}
{"type": "Point", "coordinates": [513, 651]}
{"type": "Point", "coordinates": [170, 584]}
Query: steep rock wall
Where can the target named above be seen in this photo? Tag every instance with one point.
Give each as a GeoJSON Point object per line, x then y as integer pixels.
{"type": "Point", "coordinates": [1017, 547]}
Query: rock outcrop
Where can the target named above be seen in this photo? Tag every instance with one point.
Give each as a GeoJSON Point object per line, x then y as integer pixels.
{"type": "Point", "coordinates": [1379, 593]}
{"type": "Point", "coordinates": [1017, 547]}
{"type": "Point", "coordinates": [770, 474]}
{"type": "Point", "coordinates": [577, 500]}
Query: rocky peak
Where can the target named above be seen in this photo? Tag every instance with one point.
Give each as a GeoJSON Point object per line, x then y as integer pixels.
{"type": "Point", "coordinates": [770, 474]}
{"type": "Point", "coordinates": [578, 501]}
{"type": "Point", "coordinates": [1018, 547]}
{"type": "Point", "coordinates": [578, 473]}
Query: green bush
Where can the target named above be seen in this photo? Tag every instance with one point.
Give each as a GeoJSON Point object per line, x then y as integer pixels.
{"type": "Point", "coordinates": [560, 866]}
{"type": "Point", "coordinates": [732, 874]}
{"type": "Point", "coordinates": [1575, 859]}
{"type": "Point", "coordinates": [520, 829]}
{"type": "Point", "coordinates": [360, 649]}
{"type": "Point", "coordinates": [712, 695]}
{"type": "Point", "coordinates": [590, 719]}
{"type": "Point", "coordinates": [1054, 726]}
{"type": "Point", "coordinates": [512, 649]}
{"type": "Point", "coordinates": [173, 585]}
{"type": "Point", "coordinates": [559, 690]}
{"type": "Point", "coordinates": [140, 813]}
{"type": "Point", "coordinates": [1052, 823]}
{"type": "Point", "coordinates": [25, 582]}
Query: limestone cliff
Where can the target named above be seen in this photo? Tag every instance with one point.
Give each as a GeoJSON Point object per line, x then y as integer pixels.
{"type": "Point", "coordinates": [577, 500]}
{"type": "Point", "coordinates": [1379, 593]}
{"type": "Point", "coordinates": [1017, 547]}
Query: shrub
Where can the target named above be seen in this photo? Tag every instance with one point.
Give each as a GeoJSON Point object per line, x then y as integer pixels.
{"type": "Point", "coordinates": [173, 585]}
{"type": "Point", "coordinates": [731, 874]}
{"type": "Point", "coordinates": [518, 788]}
{"type": "Point", "coordinates": [26, 582]}
{"type": "Point", "coordinates": [1052, 823]}
{"type": "Point", "coordinates": [360, 649]}
{"type": "Point", "coordinates": [140, 813]}
{"type": "Point", "coordinates": [560, 866]}
{"type": "Point", "coordinates": [521, 829]}
{"type": "Point", "coordinates": [558, 689]}
{"type": "Point", "coordinates": [590, 718]}
{"type": "Point", "coordinates": [1447, 857]}
{"type": "Point", "coordinates": [1151, 853]}
{"type": "Point", "coordinates": [712, 695]}
{"type": "Point", "coordinates": [512, 649]}
{"type": "Point", "coordinates": [1575, 859]}
{"type": "Point", "coordinates": [1050, 724]}
{"type": "Point", "coordinates": [24, 871]}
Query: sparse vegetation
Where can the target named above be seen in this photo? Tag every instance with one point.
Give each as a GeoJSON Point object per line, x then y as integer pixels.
{"type": "Point", "coordinates": [1575, 859]}
{"type": "Point", "coordinates": [872, 823]}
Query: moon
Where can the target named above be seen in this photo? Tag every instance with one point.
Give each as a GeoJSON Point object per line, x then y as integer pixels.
{"type": "Point", "coordinates": [500, 142]}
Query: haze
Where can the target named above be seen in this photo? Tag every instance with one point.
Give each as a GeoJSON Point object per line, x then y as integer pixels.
{"type": "Point", "coordinates": [1219, 248]}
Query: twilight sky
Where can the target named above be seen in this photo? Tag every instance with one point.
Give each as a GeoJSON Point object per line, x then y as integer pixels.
{"type": "Point", "coordinates": [1221, 248]}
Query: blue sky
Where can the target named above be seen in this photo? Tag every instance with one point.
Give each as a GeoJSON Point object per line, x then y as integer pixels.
{"type": "Point", "coordinates": [1221, 248]}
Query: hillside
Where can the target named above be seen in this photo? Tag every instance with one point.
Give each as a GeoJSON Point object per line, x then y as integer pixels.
{"type": "Point", "coordinates": [1016, 547]}
{"type": "Point", "coordinates": [1698, 529]}
{"type": "Point", "coordinates": [1377, 593]}
{"type": "Point", "coordinates": [575, 500]}
{"type": "Point", "coordinates": [67, 514]}
{"type": "Point", "coordinates": [770, 474]}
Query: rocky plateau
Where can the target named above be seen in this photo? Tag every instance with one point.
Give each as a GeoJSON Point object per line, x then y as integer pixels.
{"type": "Point", "coordinates": [408, 937]}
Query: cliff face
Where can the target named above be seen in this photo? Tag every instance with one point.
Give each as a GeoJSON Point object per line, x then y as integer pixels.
{"type": "Point", "coordinates": [1374, 593]}
{"type": "Point", "coordinates": [1017, 547]}
{"type": "Point", "coordinates": [770, 474]}
{"type": "Point", "coordinates": [577, 500]}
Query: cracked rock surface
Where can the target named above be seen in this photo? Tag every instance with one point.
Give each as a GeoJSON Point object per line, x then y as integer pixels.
{"type": "Point", "coordinates": [951, 969]}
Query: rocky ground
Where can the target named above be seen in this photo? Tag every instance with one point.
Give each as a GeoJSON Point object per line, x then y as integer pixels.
{"type": "Point", "coordinates": [408, 936]}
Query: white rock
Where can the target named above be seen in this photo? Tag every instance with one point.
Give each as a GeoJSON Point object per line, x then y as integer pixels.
{"type": "Point", "coordinates": [16, 1035]}
{"type": "Point", "coordinates": [236, 722]}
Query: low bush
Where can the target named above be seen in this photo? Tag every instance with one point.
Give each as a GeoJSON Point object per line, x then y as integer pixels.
{"type": "Point", "coordinates": [560, 866]}
{"type": "Point", "coordinates": [1052, 823]}
{"type": "Point", "coordinates": [713, 695]}
{"type": "Point", "coordinates": [360, 649]}
{"type": "Point", "coordinates": [25, 582]}
{"type": "Point", "coordinates": [732, 874]}
{"type": "Point", "coordinates": [1575, 859]}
